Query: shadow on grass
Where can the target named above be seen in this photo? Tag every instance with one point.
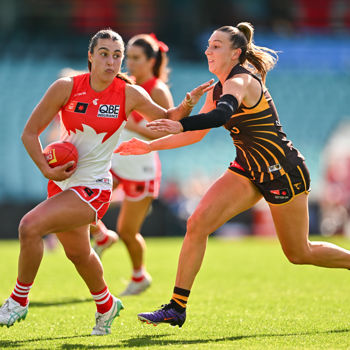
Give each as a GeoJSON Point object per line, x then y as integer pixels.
{"type": "Point", "coordinates": [59, 303]}
{"type": "Point", "coordinates": [22, 343]}
{"type": "Point", "coordinates": [149, 340]}
{"type": "Point", "coordinates": [153, 340]}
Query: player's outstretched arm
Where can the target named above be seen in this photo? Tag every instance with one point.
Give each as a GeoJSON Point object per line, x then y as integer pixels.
{"type": "Point", "coordinates": [234, 91]}
{"type": "Point", "coordinates": [136, 146]}
{"type": "Point", "coordinates": [192, 98]}
{"type": "Point", "coordinates": [139, 100]}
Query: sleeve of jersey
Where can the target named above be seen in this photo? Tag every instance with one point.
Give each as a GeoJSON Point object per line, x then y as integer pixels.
{"type": "Point", "coordinates": [226, 106]}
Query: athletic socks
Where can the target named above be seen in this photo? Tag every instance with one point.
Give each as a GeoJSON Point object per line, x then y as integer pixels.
{"type": "Point", "coordinates": [20, 293]}
{"type": "Point", "coordinates": [101, 237]}
{"type": "Point", "coordinates": [179, 299]}
{"type": "Point", "coordinates": [138, 275]}
{"type": "Point", "coordinates": [103, 300]}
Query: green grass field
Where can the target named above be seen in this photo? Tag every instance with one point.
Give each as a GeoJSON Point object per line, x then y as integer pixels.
{"type": "Point", "coordinates": [246, 296]}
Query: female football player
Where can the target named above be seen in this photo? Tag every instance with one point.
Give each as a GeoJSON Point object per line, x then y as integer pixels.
{"type": "Point", "coordinates": [267, 165]}
{"type": "Point", "coordinates": [94, 109]}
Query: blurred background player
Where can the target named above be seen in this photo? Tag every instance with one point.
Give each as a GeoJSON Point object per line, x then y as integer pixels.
{"type": "Point", "coordinates": [139, 176]}
{"type": "Point", "coordinates": [335, 199]}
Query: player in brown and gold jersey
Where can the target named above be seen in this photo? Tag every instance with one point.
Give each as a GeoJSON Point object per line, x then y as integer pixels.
{"type": "Point", "coordinates": [267, 165]}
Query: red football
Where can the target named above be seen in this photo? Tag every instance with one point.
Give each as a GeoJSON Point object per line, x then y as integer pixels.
{"type": "Point", "coordinates": [60, 153]}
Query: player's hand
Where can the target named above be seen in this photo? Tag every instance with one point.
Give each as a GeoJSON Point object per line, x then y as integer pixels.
{"type": "Point", "coordinates": [61, 172]}
{"type": "Point", "coordinates": [166, 125]}
{"type": "Point", "coordinates": [185, 107]}
{"type": "Point", "coordinates": [133, 147]}
{"type": "Point", "coordinates": [194, 96]}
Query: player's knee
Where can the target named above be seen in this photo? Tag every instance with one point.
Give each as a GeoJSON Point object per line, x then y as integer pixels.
{"type": "Point", "coordinates": [126, 234]}
{"type": "Point", "coordinates": [299, 256]}
{"type": "Point", "coordinates": [27, 229]}
{"type": "Point", "coordinates": [77, 257]}
{"type": "Point", "coordinates": [191, 226]}
{"type": "Point", "coordinates": [194, 227]}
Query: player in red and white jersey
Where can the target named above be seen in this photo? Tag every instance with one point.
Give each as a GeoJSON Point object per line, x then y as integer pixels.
{"type": "Point", "coordinates": [94, 108]}
{"type": "Point", "coordinates": [139, 176]}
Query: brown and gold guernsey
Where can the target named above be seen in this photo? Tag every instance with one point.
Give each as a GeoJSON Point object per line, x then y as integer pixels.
{"type": "Point", "coordinates": [263, 151]}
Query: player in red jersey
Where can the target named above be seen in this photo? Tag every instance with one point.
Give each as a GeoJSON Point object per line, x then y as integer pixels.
{"type": "Point", "coordinates": [267, 165]}
{"type": "Point", "coordinates": [94, 108]}
{"type": "Point", "coordinates": [139, 176]}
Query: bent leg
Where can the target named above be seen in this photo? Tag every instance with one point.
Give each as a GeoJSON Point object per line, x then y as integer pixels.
{"type": "Point", "coordinates": [292, 225]}
{"type": "Point", "coordinates": [130, 219]}
{"type": "Point", "coordinates": [62, 212]}
{"type": "Point", "coordinates": [76, 244]}
{"type": "Point", "coordinates": [230, 195]}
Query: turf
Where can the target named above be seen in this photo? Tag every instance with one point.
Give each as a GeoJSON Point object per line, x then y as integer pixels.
{"type": "Point", "coordinates": [246, 296]}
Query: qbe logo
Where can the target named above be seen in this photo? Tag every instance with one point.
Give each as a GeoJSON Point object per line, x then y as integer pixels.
{"type": "Point", "coordinates": [108, 111]}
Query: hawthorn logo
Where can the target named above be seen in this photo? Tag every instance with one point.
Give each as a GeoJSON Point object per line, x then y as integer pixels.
{"type": "Point", "coordinates": [298, 186]}
{"type": "Point", "coordinates": [108, 111]}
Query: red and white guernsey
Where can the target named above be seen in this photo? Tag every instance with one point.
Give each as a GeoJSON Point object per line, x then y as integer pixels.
{"type": "Point", "coordinates": [93, 122]}
{"type": "Point", "coordinates": [141, 167]}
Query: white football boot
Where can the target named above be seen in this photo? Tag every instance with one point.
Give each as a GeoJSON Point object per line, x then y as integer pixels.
{"type": "Point", "coordinates": [100, 248]}
{"type": "Point", "coordinates": [11, 311]}
{"type": "Point", "coordinates": [104, 321]}
{"type": "Point", "coordinates": [134, 288]}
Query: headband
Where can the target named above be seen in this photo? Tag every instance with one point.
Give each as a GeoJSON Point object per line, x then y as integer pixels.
{"type": "Point", "coordinates": [162, 46]}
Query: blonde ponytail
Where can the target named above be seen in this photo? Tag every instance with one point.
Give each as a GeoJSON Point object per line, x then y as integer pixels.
{"type": "Point", "coordinates": [262, 59]}
{"type": "Point", "coordinates": [248, 30]}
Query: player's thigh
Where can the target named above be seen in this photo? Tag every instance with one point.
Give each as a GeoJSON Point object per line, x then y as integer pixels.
{"type": "Point", "coordinates": [62, 212]}
{"type": "Point", "coordinates": [292, 223]}
{"type": "Point", "coordinates": [132, 215]}
{"type": "Point", "coordinates": [230, 195]}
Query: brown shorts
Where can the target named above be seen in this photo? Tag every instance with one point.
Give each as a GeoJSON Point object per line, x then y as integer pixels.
{"type": "Point", "coordinates": [284, 188]}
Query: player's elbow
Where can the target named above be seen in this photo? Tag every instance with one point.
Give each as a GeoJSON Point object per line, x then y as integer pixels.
{"type": "Point", "coordinates": [24, 136]}
{"type": "Point", "coordinates": [28, 136]}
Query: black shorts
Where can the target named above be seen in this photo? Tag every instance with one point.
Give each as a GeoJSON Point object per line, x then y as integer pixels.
{"type": "Point", "coordinates": [284, 188]}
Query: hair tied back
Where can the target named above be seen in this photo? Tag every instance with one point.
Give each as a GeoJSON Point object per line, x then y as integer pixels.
{"type": "Point", "coordinates": [247, 29]}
